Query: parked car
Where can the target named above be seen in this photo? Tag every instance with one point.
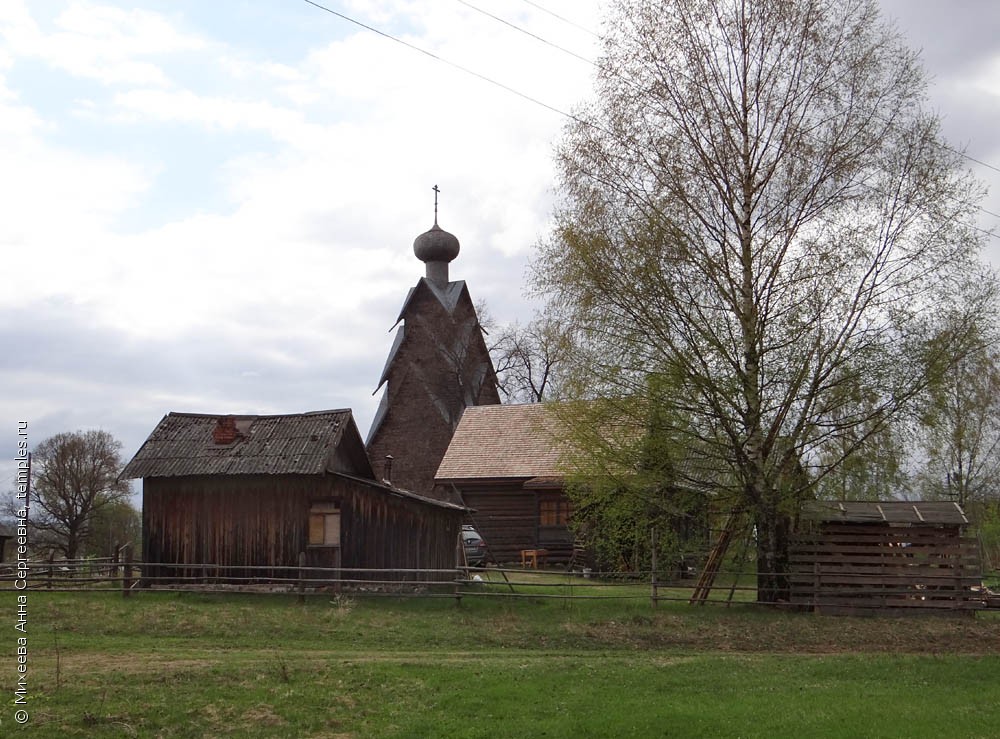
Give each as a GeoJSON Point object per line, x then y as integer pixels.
{"type": "Point", "coordinates": [475, 547]}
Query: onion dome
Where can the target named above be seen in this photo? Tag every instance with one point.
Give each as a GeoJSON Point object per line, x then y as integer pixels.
{"type": "Point", "coordinates": [436, 245]}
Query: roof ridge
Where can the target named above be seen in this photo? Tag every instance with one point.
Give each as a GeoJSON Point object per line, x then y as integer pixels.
{"type": "Point", "coordinates": [188, 414]}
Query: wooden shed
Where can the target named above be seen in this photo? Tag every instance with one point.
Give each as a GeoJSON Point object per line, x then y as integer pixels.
{"type": "Point", "coordinates": [856, 557]}
{"type": "Point", "coordinates": [256, 491]}
{"type": "Point", "coordinates": [504, 460]}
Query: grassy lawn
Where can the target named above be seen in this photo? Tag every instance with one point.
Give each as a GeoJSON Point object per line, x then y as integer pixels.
{"type": "Point", "coordinates": [186, 665]}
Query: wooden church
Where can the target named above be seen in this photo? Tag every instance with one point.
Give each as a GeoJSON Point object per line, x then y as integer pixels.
{"type": "Point", "coordinates": [247, 491]}
{"type": "Point", "coordinates": [437, 367]}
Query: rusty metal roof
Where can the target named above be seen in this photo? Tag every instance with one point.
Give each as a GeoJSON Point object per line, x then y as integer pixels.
{"type": "Point", "coordinates": [895, 511]}
{"type": "Point", "coordinates": [182, 444]}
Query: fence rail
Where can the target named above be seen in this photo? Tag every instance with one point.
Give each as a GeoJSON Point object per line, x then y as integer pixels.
{"type": "Point", "coordinates": [922, 589]}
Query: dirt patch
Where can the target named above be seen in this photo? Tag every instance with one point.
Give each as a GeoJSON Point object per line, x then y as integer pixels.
{"type": "Point", "coordinates": [798, 633]}
{"type": "Point", "coordinates": [91, 662]}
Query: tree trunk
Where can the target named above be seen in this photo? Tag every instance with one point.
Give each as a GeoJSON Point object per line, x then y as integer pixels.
{"type": "Point", "coordinates": [772, 556]}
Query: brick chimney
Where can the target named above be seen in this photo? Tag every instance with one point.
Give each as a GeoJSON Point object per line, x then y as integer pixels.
{"type": "Point", "coordinates": [225, 431]}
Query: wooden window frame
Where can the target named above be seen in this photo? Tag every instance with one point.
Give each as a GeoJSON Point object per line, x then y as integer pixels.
{"type": "Point", "coordinates": [324, 528]}
{"type": "Point", "coordinates": [554, 511]}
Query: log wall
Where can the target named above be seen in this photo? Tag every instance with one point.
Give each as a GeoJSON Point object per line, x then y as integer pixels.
{"type": "Point", "coordinates": [507, 518]}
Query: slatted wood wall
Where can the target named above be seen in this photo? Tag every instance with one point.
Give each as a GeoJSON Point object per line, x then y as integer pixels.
{"type": "Point", "coordinates": [262, 521]}
{"type": "Point", "coordinates": [856, 568]}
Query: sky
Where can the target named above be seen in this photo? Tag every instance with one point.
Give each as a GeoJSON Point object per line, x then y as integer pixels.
{"type": "Point", "coordinates": [210, 206]}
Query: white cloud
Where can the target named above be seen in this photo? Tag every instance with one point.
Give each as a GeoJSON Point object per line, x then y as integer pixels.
{"type": "Point", "coordinates": [104, 43]}
{"type": "Point", "coordinates": [274, 292]}
{"type": "Point", "coordinates": [213, 113]}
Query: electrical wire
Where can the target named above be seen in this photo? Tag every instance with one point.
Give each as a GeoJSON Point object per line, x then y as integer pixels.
{"type": "Point", "coordinates": [943, 145]}
{"type": "Point", "coordinates": [448, 62]}
{"type": "Point", "coordinates": [559, 17]}
{"type": "Point", "coordinates": [526, 32]}
{"type": "Point", "coordinates": [590, 124]}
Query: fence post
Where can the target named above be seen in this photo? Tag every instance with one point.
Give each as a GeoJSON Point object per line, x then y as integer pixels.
{"type": "Point", "coordinates": [817, 584]}
{"type": "Point", "coordinates": [302, 577]}
{"type": "Point", "coordinates": [127, 572]}
{"type": "Point", "coordinates": [653, 577]}
{"type": "Point", "coordinates": [337, 572]}
{"type": "Point", "coordinates": [459, 561]}
{"type": "Point", "coordinates": [52, 567]}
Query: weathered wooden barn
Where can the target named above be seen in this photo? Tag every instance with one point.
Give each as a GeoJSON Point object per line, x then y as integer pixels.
{"type": "Point", "coordinates": [504, 460]}
{"type": "Point", "coordinates": [256, 491]}
{"type": "Point", "coordinates": [437, 367]}
{"type": "Point", "coordinates": [901, 556]}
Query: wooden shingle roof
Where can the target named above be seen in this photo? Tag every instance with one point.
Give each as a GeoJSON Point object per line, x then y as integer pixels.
{"type": "Point", "coordinates": [503, 441]}
{"type": "Point", "coordinates": [183, 444]}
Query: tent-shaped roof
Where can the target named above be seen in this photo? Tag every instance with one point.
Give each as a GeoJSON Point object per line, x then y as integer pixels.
{"type": "Point", "coordinates": [302, 443]}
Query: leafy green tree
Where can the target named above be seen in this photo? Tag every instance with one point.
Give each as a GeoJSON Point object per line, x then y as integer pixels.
{"type": "Point", "coordinates": [114, 525]}
{"type": "Point", "coordinates": [867, 462]}
{"type": "Point", "coordinates": [631, 473]}
{"type": "Point", "coordinates": [758, 203]}
{"type": "Point", "coordinates": [74, 477]}
{"type": "Point", "coordinates": [960, 429]}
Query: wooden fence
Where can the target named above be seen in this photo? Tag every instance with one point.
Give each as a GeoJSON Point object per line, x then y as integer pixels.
{"type": "Point", "coordinates": [841, 590]}
{"type": "Point", "coordinates": [854, 568]}
{"type": "Point", "coordinates": [843, 569]}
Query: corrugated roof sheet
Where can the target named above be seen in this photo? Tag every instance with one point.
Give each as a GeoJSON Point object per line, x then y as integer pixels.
{"type": "Point", "coordinates": [182, 444]}
{"type": "Point", "coordinates": [895, 511]}
{"type": "Point", "coordinates": [503, 441]}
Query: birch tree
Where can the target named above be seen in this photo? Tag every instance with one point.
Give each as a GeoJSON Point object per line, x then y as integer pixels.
{"type": "Point", "coordinates": [758, 202]}
{"type": "Point", "coordinates": [960, 427]}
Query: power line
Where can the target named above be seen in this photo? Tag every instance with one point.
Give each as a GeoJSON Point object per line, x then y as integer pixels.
{"type": "Point", "coordinates": [536, 101]}
{"type": "Point", "coordinates": [559, 17]}
{"type": "Point", "coordinates": [526, 32]}
{"type": "Point", "coordinates": [991, 233]}
{"type": "Point", "coordinates": [973, 159]}
{"type": "Point", "coordinates": [448, 62]}
{"type": "Point", "coordinates": [943, 145]}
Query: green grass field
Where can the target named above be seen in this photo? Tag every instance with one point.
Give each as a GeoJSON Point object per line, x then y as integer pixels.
{"type": "Point", "coordinates": [188, 665]}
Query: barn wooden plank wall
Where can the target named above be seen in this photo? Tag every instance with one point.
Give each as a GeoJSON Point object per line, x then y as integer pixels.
{"type": "Point", "coordinates": [852, 568]}
{"type": "Point", "coordinates": [262, 521]}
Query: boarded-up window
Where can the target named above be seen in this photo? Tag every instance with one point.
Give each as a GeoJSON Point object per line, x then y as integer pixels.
{"type": "Point", "coordinates": [324, 525]}
{"type": "Point", "coordinates": [553, 510]}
